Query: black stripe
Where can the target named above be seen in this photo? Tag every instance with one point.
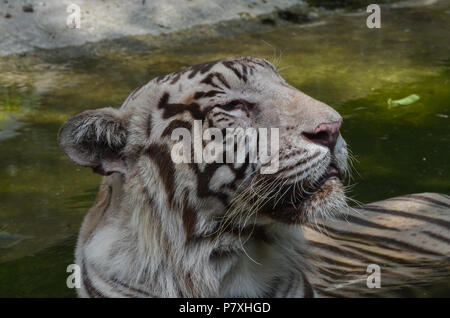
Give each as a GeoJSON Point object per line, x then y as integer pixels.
{"type": "Point", "coordinates": [339, 273]}
{"type": "Point", "coordinates": [89, 287]}
{"type": "Point", "coordinates": [230, 65]}
{"type": "Point", "coordinates": [149, 126]}
{"type": "Point", "coordinates": [212, 93]}
{"type": "Point", "coordinates": [351, 255]}
{"type": "Point", "coordinates": [189, 219]}
{"type": "Point", "coordinates": [160, 155]}
{"type": "Point", "coordinates": [176, 124]}
{"type": "Point", "coordinates": [209, 80]}
{"type": "Point", "coordinates": [384, 257]}
{"type": "Point", "coordinates": [129, 288]}
{"type": "Point", "coordinates": [446, 197]}
{"type": "Point", "coordinates": [383, 241]}
{"type": "Point", "coordinates": [287, 289]}
{"type": "Point", "coordinates": [272, 291]}
{"type": "Point", "coordinates": [176, 78]}
{"type": "Point", "coordinates": [427, 199]}
{"type": "Point", "coordinates": [222, 119]}
{"type": "Point", "coordinates": [292, 153]}
{"type": "Point", "coordinates": [201, 68]}
{"type": "Point", "coordinates": [170, 110]}
{"type": "Point", "coordinates": [308, 291]}
{"type": "Point", "coordinates": [339, 263]}
{"type": "Point", "coordinates": [338, 251]}
{"type": "Point", "coordinates": [333, 276]}
{"type": "Point", "coordinates": [320, 228]}
{"type": "Point", "coordinates": [411, 199]}
{"type": "Point", "coordinates": [203, 179]}
{"type": "Point", "coordinates": [118, 282]}
{"type": "Point", "coordinates": [437, 236]}
{"type": "Point", "coordinates": [244, 73]}
{"type": "Point", "coordinates": [300, 163]}
{"type": "Point", "coordinates": [222, 80]}
{"type": "Point", "coordinates": [323, 292]}
{"type": "Point", "coordinates": [379, 209]}
{"type": "Point", "coordinates": [362, 222]}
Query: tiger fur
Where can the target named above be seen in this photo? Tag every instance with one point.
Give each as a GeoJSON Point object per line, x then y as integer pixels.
{"type": "Point", "coordinates": [157, 228]}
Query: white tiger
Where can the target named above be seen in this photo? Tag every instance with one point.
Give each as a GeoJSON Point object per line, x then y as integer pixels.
{"type": "Point", "coordinates": [160, 229]}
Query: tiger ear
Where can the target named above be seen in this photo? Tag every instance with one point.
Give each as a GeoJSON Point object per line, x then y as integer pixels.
{"type": "Point", "coordinates": [95, 139]}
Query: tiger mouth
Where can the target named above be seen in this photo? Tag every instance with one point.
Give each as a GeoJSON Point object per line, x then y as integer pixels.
{"type": "Point", "coordinates": [312, 188]}
{"type": "Point", "coordinates": [290, 207]}
{"type": "Point", "coordinates": [331, 172]}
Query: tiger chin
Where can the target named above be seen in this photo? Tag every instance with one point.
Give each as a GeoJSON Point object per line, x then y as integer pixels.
{"type": "Point", "coordinates": [196, 229]}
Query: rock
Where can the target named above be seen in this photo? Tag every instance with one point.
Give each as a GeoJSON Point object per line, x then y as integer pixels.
{"type": "Point", "coordinates": [115, 19]}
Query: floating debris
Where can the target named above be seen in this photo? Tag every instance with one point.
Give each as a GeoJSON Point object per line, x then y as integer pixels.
{"type": "Point", "coordinates": [404, 101]}
{"type": "Point", "coordinates": [442, 115]}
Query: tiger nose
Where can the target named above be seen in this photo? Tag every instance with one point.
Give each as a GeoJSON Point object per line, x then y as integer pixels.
{"type": "Point", "coordinates": [325, 134]}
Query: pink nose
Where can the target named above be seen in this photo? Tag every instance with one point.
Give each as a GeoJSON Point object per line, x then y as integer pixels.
{"type": "Point", "coordinates": [325, 134]}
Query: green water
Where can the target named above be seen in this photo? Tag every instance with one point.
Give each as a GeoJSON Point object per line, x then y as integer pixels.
{"type": "Point", "coordinates": [43, 196]}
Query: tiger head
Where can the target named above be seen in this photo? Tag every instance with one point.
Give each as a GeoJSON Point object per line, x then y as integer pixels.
{"type": "Point", "coordinates": [136, 142]}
